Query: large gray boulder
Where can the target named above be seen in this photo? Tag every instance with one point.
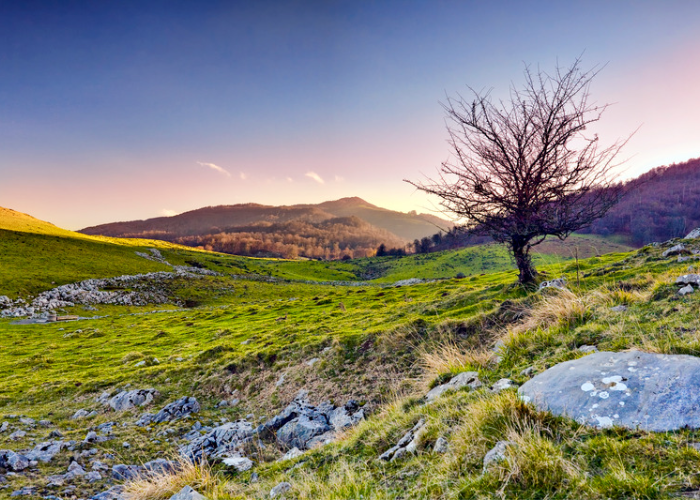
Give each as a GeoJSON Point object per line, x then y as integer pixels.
{"type": "Point", "coordinates": [129, 399]}
{"type": "Point", "coordinates": [635, 390]}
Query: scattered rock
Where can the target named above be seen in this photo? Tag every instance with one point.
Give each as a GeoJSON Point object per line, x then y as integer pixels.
{"type": "Point", "coordinates": [441, 445]}
{"type": "Point", "coordinates": [240, 463]}
{"type": "Point", "coordinates": [407, 444]}
{"type": "Point", "coordinates": [223, 441]}
{"type": "Point", "coordinates": [291, 454]}
{"type": "Point", "coordinates": [502, 384]}
{"type": "Point", "coordinates": [559, 283]}
{"type": "Point", "coordinates": [44, 452]}
{"type": "Point", "coordinates": [13, 461]}
{"type": "Point", "coordinates": [159, 465]}
{"type": "Point", "coordinates": [301, 425]}
{"type": "Point", "coordinates": [695, 233]}
{"type": "Point", "coordinates": [177, 409]}
{"type": "Point", "coordinates": [587, 349]}
{"type": "Point", "coordinates": [279, 489]}
{"type": "Point", "coordinates": [686, 290]}
{"type": "Point", "coordinates": [620, 308]}
{"type": "Point", "coordinates": [688, 279]}
{"type": "Point", "coordinates": [675, 250]}
{"type": "Point", "coordinates": [129, 399]}
{"type": "Point", "coordinates": [496, 454]}
{"type": "Point", "coordinates": [124, 472]}
{"type": "Point", "coordinates": [635, 390]}
{"type": "Point", "coordinates": [17, 435]}
{"type": "Point", "coordinates": [187, 493]}
{"type": "Point", "coordinates": [527, 372]}
{"type": "Point", "coordinates": [114, 493]}
{"type": "Point", "coordinates": [464, 379]}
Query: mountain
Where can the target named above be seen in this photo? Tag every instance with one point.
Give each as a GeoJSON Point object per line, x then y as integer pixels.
{"type": "Point", "coordinates": [661, 204]}
{"type": "Point", "coordinates": [349, 226]}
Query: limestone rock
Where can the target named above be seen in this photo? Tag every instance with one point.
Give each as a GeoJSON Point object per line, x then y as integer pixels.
{"type": "Point", "coordinates": [559, 283]}
{"type": "Point", "coordinates": [129, 399]}
{"type": "Point", "coordinates": [177, 409]}
{"type": "Point", "coordinates": [635, 390]}
{"type": "Point", "coordinates": [279, 489]}
{"type": "Point", "coordinates": [407, 444]}
{"type": "Point", "coordinates": [464, 379]}
{"type": "Point", "coordinates": [441, 445]}
{"type": "Point", "coordinates": [695, 233]}
{"type": "Point", "coordinates": [13, 461]}
{"type": "Point", "coordinates": [114, 493]}
{"type": "Point", "coordinates": [502, 384]}
{"type": "Point", "coordinates": [686, 290]}
{"type": "Point", "coordinates": [222, 441]}
{"type": "Point", "coordinates": [44, 452]}
{"type": "Point", "coordinates": [587, 349]}
{"type": "Point", "coordinates": [305, 426]}
{"type": "Point", "coordinates": [187, 493]}
{"type": "Point", "coordinates": [124, 472]}
{"type": "Point", "coordinates": [496, 454]}
{"type": "Point", "coordinates": [688, 279]}
{"type": "Point", "coordinates": [240, 463]}
{"type": "Point", "coordinates": [675, 250]}
{"type": "Point", "coordinates": [291, 454]}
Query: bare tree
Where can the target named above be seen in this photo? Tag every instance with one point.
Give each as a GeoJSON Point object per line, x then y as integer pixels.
{"type": "Point", "coordinates": [525, 168]}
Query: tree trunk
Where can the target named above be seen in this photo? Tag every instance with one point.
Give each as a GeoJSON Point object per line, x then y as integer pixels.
{"type": "Point", "coordinates": [521, 252]}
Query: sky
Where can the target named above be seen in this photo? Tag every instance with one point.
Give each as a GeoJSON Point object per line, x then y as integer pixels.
{"type": "Point", "coordinates": [128, 110]}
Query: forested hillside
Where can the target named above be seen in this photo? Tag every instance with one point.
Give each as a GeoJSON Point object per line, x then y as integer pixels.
{"type": "Point", "coordinates": [661, 204]}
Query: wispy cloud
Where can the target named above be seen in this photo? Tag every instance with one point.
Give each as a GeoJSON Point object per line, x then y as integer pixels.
{"type": "Point", "coordinates": [289, 179]}
{"type": "Point", "coordinates": [243, 176]}
{"type": "Point", "coordinates": [212, 166]}
{"type": "Point", "coordinates": [315, 176]}
{"type": "Point", "coordinates": [339, 178]}
{"type": "Point", "coordinates": [168, 213]}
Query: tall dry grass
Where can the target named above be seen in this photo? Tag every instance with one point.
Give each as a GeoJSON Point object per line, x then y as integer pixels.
{"type": "Point", "coordinates": [163, 485]}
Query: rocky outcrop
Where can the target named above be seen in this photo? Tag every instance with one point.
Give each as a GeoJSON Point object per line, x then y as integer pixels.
{"type": "Point", "coordinates": [635, 390]}
{"type": "Point", "coordinates": [301, 425]}
{"type": "Point", "coordinates": [224, 441]}
{"type": "Point", "coordinates": [131, 290]}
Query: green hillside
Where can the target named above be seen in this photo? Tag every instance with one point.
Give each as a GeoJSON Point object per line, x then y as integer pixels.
{"type": "Point", "coordinates": [277, 327]}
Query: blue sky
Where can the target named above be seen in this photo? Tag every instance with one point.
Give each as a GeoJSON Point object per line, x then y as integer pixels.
{"type": "Point", "coordinates": [122, 110]}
